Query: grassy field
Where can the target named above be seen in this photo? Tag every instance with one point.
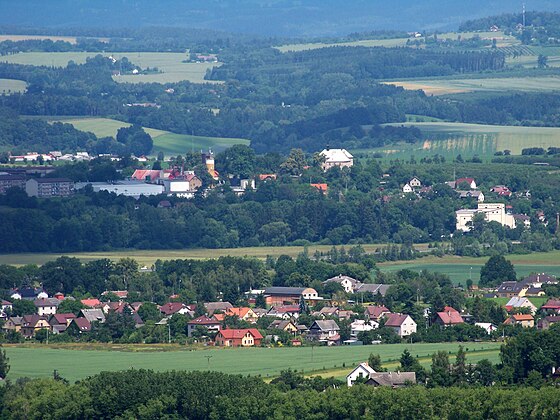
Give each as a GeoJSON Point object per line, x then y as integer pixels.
{"type": "Point", "coordinates": [40, 361]}
{"type": "Point", "coordinates": [8, 86]}
{"type": "Point", "coordinates": [503, 84]}
{"type": "Point", "coordinates": [69, 39]}
{"type": "Point", "coordinates": [451, 139]}
{"type": "Point", "coordinates": [148, 257]}
{"type": "Point", "coordinates": [170, 144]}
{"type": "Point", "coordinates": [171, 65]}
{"type": "Point", "coordinates": [459, 268]}
{"type": "Point", "coordinates": [502, 39]}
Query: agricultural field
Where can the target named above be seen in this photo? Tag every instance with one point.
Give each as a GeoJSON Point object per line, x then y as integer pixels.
{"type": "Point", "coordinates": [502, 40]}
{"type": "Point", "coordinates": [172, 68]}
{"type": "Point", "coordinates": [452, 139]}
{"type": "Point", "coordinates": [438, 87]}
{"type": "Point", "coordinates": [459, 268]}
{"type": "Point", "coordinates": [8, 86]}
{"type": "Point", "coordinates": [41, 361]}
{"type": "Point", "coordinates": [170, 144]}
{"type": "Point", "coordinates": [69, 39]}
{"type": "Point", "coordinates": [149, 257]}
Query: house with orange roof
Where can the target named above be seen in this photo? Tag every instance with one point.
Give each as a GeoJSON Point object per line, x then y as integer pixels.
{"type": "Point", "coordinates": [243, 313]}
{"type": "Point", "coordinates": [148, 175]}
{"type": "Point", "coordinates": [321, 187]}
{"type": "Point", "coordinates": [91, 303]}
{"type": "Point", "coordinates": [525, 320]}
{"type": "Point", "coordinates": [248, 337]}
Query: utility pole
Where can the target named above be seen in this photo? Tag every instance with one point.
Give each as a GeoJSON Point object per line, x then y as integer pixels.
{"type": "Point", "coordinates": [523, 15]}
{"type": "Point", "coordinates": [168, 333]}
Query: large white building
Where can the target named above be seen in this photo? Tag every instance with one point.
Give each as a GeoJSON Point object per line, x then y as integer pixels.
{"type": "Point", "coordinates": [493, 212]}
{"type": "Point", "coordinates": [337, 157]}
{"type": "Point", "coordinates": [128, 188]}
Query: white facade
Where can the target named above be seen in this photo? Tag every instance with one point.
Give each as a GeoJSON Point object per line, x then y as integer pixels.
{"type": "Point", "coordinates": [493, 212]}
{"type": "Point", "coordinates": [337, 157]}
{"type": "Point", "coordinates": [407, 188]}
{"type": "Point", "coordinates": [415, 183]}
{"type": "Point", "coordinates": [127, 188]}
{"type": "Point", "coordinates": [362, 370]}
{"type": "Point", "coordinates": [360, 325]}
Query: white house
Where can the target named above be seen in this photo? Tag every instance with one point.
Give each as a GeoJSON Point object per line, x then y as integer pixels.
{"type": "Point", "coordinates": [360, 325]}
{"type": "Point", "coordinates": [473, 193]}
{"type": "Point", "coordinates": [46, 306]}
{"type": "Point", "coordinates": [402, 324]}
{"type": "Point", "coordinates": [362, 370]}
{"type": "Point", "coordinates": [493, 212]}
{"type": "Point", "coordinates": [337, 157]}
{"type": "Point", "coordinates": [407, 189]}
{"type": "Point", "coordinates": [349, 284]}
{"type": "Point", "coordinates": [521, 302]}
{"type": "Point", "coordinates": [415, 183]}
{"type": "Point", "coordinates": [486, 326]}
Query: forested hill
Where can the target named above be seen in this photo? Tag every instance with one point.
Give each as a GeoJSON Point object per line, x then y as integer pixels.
{"type": "Point", "coordinates": [285, 18]}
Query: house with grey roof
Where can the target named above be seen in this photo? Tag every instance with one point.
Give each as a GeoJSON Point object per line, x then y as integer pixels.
{"type": "Point", "coordinates": [325, 331]}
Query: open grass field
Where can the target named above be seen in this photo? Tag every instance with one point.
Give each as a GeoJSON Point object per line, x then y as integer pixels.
{"type": "Point", "coordinates": [170, 64]}
{"type": "Point", "coordinates": [503, 84]}
{"type": "Point", "coordinates": [502, 40]}
{"type": "Point", "coordinates": [170, 144]}
{"type": "Point", "coordinates": [459, 268]}
{"type": "Point", "coordinates": [148, 257]}
{"type": "Point", "coordinates": [69, 39]}
{"type": "Point", "coordinates": [40, 361]}
{"type": "Point", "coordinates": [451, 139]}
{"type": "Point", "coordinates": [8, 86]}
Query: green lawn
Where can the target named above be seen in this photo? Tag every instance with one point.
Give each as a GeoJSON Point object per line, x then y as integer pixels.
{"type": "Point", "coordinates": [459, 268]}
{"type": "Point", "coordinates": [8, 86]}
{"type": "Point", "coordinates": [171, 65]}
{"type": "Point", "coordinates": [537, 301]}
{"type": "Point", "coordinates": [450, 139]}
{"type": "Point", "coordinates": [77, 364]}
{"type": "Point", "coordinates": [170, 144]}
{"type": "Point", "coordinates": [148, 257]}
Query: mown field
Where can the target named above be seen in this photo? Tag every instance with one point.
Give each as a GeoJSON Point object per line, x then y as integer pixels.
{"type": "Point", "coordinates": [170, 64]}
{"type": "Point", "coordinates": [438, 87]}
{"type": "Point", "coordinates": [69, 39]}
{"type": "Point", "coordinates": [502, 39]}
{"type": "Point", "coordinates": [8, 86]}
{"type": "Point", "coordinates": [41, 361]}
{"type": "Point", "coordinates": [170, 144]}
{"type": "Point", "coordinates": [459, 268]}
{"type": "Point", "coordinates": [452, 139]}
{"type": "Point", "coordinates": [148, 257]}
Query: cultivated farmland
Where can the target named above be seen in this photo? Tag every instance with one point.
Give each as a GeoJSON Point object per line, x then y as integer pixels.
{"type": "Point", "coordinates": [267, 362]}
{"type": "Point", "coordinates": [164, 141]}
{"type": "Point", "coordinates": [170, 64]}
{"type": "Point", "coordinates": [502, 84]}
{"type": "Point", "coordinates": [452, 139]}
{"type": "Point", "coordinates": [8, 86]}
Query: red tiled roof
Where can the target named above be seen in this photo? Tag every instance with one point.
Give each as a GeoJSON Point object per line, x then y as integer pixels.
{"type": "Point", "coordinates": [239, 312]}
{"type": "Point", "coordinates": [286, 308]}
{"type": "Point", "coordinates": [63, 318]}
{"type": "Point", "coordinates": [395, 320]}
{"type": "Point", "coordinates": [204, 320]}
{"type": "Point", "coordinates": [450, 317]}
{"type": "Point", "coordinates": [449, 309]}
{"type": "Point", "coordinates": [142, 174]}
{"type": "Point", "coordinates": [552, 304]}
{"type": "Point", "coordinates": [171, 308]}
{"type": "Point", "coordinates": [92, 303]}
{"type": "Point", "coordinates": [523, 317]}
{"type": "Point", "coordinates": [233, 334]}
{"type": "Point", "coordinates": [321, 187]}
{"type": "Point", "coordinates": [376, 311]}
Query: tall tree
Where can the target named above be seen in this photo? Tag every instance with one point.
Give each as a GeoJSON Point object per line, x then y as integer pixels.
{"type": "Point", "coordinates": [4, 364]}
{"type": "Point", "coordinates": [497, 270]}
{"type": "Point", "coordinates": [441, 370]}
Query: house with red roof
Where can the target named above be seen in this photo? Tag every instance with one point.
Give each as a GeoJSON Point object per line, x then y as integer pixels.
{"type": "Point", "coordinates": [321, 187]}
{"type": "Point", "coordinates": [243, 313]}
{"type": "Point", "coordinates": [552, 305]}
{"type": "Point", "coordinates": [60, 322]}
{"type": "Point", "coordinates": [375, 313]}
{"type": "Point", "coordinates": [91, 303]}
{"type": "Point", "coordinates": [449, 316]}
{"type": "Point", "coordinates": [172, 308]}
{"type": "Point", "coordinates": [247, 337]}
{"type": "Point", "coordinates": [148, 175]}
{"type": "Point", "coordinates": [402, 324]}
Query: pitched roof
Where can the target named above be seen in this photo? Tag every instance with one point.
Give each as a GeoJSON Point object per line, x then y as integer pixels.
{"type": "Point", "coordinates": [284, 309]}
{"type": "Point", "coordinates": [395, 320]}
{"type": "Point", "coordinates": [374, 288]}
{"type": "Point", "coordinates": [340, 278]}
{"type": "Point", "coordinates": [392, 378]}
{"type": "Point", "coordinates": [204, 320]}
{"type": "Point", "coordinates": [375, 311]}
{"type": "Point", "coordinates": [450, 317]}
{"type": "Point", "coordinates": [552, 304]}
{"type": "Point", "coordinates": [238, 334]}
{"type": "Point", "coordinates": [212, 307]}
{"type": "Point", "coordinates": [336, 155]}
{"type": "Point", "coordinates": [142, 174]}
{"type": "Point", "coordinates": [239, 312]}
{"type": "Point", "coordinates": [171, 308]}
{"type": "Point", "coordinates": [523, 317]}
{"type": "Point", "coordinates": [62, 318]}
{"type": "Point", "coordinates": [539, 278]}
{"type": "Point", "coordinates": [83, 324]}
{"type": "Point", "coordinates": [326, 325]}
{"type": "Point", "coordinates": [92, 303]}
{"type": "Point", "coordinates": [93, 315]}
{"type": "Point", "coordinates": [517, 302]}
{"type": "Point", "coordinates": [296, 291]}
{"type": "Point", "coordinates": [46, 302]}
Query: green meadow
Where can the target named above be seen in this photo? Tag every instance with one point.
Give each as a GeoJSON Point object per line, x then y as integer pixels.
{"type": "Point", "coordinates": [41, 361]}
{"type": "Point", "coordinates": [170, 64]}
{"type": "Point", "coordinates": [460, 269]}
{"type": "Point", "coordinates": [170, 144]}
{"type": "Point", "coordinates": [8, 86]}
{"type": "Point", "coordinates": [452, 139]}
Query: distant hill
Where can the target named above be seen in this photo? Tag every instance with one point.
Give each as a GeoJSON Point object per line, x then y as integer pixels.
{"type": "Point", "coordinates": [264, 17]}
